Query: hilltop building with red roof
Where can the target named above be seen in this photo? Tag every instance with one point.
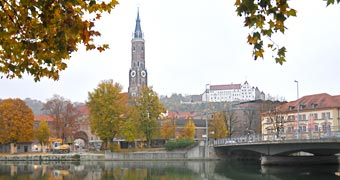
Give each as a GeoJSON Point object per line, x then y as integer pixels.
{"type": "Point", "coordinates": [232, 92]}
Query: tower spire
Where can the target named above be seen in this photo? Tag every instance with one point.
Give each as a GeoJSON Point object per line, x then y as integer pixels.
{"type": "Point", "coordinates": [138, 29]}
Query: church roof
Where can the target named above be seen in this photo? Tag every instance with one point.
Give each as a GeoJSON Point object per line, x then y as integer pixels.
{"type": "Point", "coordinates": [138, 29]}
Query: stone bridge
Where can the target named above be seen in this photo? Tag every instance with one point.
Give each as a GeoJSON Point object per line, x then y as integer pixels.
{"type": "Point", "coordinates": [317, 147]}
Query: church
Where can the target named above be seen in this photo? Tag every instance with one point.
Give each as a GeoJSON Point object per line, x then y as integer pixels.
{"type": "Point", "coordinates": [138, 76]}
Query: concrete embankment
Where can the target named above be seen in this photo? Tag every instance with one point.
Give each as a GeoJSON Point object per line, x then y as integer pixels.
{"type": "Point", "coordinates": [195, 153]}
{"type": "Point", "coordinates": [52, 157]}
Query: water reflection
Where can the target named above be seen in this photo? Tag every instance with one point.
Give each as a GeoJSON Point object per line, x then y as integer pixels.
{"type": "Point", "coordinates": [220, 170]}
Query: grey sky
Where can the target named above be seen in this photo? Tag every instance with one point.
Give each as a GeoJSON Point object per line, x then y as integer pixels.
{"type": "Point", "coordinates": [192, 43]}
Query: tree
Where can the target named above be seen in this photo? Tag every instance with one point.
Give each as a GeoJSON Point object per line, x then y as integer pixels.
{"type": "Point", "coordinates": [107, 106]}
{"type": "Point", "coordinates": [230, 119]}
{"type": "Point", "coordinates": [265, 18]}
{"type": "Point", "coordinates": [65, 116]}
{"type": "Point", "coordinates": [188, 131]}
{"type": "Point", "coordinates": [42, 133]}
{"type": "Point", "coordinates": [168, 129]}
{"type": "Point", "coordinates": [217, 128]}
{"type": "Point", "coordinates": [149, 109]}
{"type": "Point", "coordinates": [37, 37]}
{"type": "Point", "coordinates": [276, 121]}
{"type": "Point", "coordinates": [16, 122]}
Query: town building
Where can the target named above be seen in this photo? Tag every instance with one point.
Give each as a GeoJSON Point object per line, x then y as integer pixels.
{"type": "Point", "coordinates": [138, 76]}
{"type": "Point", "coordinates": [232, 92]}
{"type": "Point", "coordinates": [312, 116]}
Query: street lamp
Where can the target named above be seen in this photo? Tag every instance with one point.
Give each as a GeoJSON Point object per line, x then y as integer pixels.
{"type": "Point", "coordinates": [298, 110]}
{"type": "Point", "coordinates": [206, 122]}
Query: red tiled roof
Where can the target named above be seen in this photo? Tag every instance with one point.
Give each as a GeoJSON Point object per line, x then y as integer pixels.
{"type": "Point", "coordinates": [225, 87]}
{"type": "Point", "coordinates": [83, 109]}
{"type": "Point", "coordinates": [43, 117]}
{"type": "Point", "coordinates": [181, 115]}
{"type": "Point", "coordinates": [323, 100]}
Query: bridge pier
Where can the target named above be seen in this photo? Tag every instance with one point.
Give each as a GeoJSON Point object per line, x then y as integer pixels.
{"type": "Point", "coordinates": [299, 160]}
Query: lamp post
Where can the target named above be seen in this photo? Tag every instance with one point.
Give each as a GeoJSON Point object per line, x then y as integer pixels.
{"type": "Point", "coordinates": [298, 110]}
{"type": "Point", "coordinates": [206, 123]}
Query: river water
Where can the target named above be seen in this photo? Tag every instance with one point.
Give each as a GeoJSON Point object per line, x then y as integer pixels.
{"type": "Point", "coordinates": [162, 170]}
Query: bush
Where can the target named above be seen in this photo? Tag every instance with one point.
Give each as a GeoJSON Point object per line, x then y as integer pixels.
{"type": "Point", "coordinates": [115, 147]}
{"type": "Point", "coordinates": [178, 144]}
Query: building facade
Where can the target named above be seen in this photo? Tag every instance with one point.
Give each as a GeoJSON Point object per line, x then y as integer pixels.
{"type": "Point", "coordinates": [232, 92]}
{"type": "Point", "coordinates": [138, 76]}
{"type": "Point", "coordinates": [313, 116]}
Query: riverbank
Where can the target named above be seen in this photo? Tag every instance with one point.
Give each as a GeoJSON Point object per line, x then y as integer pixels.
{"type": "Point", "coordinates": [194, 153]}
{"type": "Point", "coordinates": [52, 157]}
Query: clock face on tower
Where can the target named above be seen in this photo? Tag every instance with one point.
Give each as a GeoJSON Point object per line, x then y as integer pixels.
{"type": "Point", "coordinates": [143, 73]}
{"type": "Point", "coordinates": [133, 73]}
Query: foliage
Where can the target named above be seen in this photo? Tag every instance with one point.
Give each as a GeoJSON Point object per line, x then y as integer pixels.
{"type": "Point", "coordinates": [42, 132]}
{"type": "Point", "coordinates": [188, 131]}
{"type": "Point", "coordinates": [149, 109]}
{"type": "Point", "coordinates": [65, 116]}
{"type": "Point", "coordinates": [115, 147]}
{"type": "Point", "coordinates": [107, 106]}
{"type": "Point", "coordinates": [37, 37]}
{"type": "Point", "coordinates": [265, 18]}
{"type": "Point", "coordinates": [178, 144]}
{"type": "Point", "coordinates": [130, 129]}
{"type": "Point", "coordinates": [230, 120]}
{"type": "Point", "coordinates": [16, 121]}
{"type": "Point", "coordinates": [168, 129]}
{"type": "Point", "coordinates": [217, 128]}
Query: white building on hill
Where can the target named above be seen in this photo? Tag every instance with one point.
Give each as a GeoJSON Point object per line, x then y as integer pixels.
{"type": "Point", "coordinates": [232, 92]}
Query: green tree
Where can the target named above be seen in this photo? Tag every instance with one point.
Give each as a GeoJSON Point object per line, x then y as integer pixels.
{"type": "Point", "coordinates": [16, 122]}
{"type": "Point", "coordinates": [107, 106]}
{"type": "Point", "coordinates": [149, 109]}
{"type": "Point", "coordinates": [217, 128]}
{"type": "Point", "coordinates": [129, 129]}
{"type": "Point", "coordinates": [188, 131]}
{"type": "Point", "coordinates": [42, 133]}
{"type": "Point", "coordinates": [265, 18]}
{"type": "Point", "coordinates": [37, 37]}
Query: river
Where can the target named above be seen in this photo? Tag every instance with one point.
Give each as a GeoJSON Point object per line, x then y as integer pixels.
{"type": "Point", "coordinates": [167, 170]}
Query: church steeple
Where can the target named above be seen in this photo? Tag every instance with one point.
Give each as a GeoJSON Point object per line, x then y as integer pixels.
{"type": "Point", "coordinates": [138, 29]}
{"type": "Point", "coordinates": [138, 75]}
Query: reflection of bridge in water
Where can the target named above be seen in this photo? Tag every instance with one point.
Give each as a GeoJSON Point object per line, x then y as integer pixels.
{"type": "Point", "coordinates": [320, 150]}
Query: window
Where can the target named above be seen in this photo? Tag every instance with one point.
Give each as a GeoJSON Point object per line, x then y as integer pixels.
{"type": "Point", "coordinates": [290, 129]}
{"type": "Point", "coordinates": [316, 128]}
{"type": "Point", "coordinates": [304, 129]}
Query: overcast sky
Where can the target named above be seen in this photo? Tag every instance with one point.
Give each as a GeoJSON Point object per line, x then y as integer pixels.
{"type": "Point", "coordinates": [192, 43]}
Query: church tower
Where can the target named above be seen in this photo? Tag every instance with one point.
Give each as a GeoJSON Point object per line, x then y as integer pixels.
{"type": "Point", "coordinates": [138, 76]}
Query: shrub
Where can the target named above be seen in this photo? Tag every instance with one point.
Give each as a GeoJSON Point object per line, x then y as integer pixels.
{"type": "Point", "coordinates": [178, 144]}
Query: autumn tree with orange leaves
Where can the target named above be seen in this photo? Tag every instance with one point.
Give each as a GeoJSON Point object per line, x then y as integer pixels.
{"type": "Point", "coordinates": [188, 131]}
{"type": "Point", "coordinates": [168, 129]}
{"type": "Point", "coordinates": [16, 122]}
{"type": "Point", "coordinates": [217, 128]}
{"type": "Point", "coordinates": [38, 37]}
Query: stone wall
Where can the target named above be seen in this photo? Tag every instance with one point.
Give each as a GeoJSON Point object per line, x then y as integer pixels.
{"type": "Point", "coordinates": [52, 157]}
{"type": "Point", "coordinates": [195, 153]}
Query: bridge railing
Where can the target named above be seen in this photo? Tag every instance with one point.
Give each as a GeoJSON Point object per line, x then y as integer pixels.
{"type": "Point", "coordinates": [258, 138]}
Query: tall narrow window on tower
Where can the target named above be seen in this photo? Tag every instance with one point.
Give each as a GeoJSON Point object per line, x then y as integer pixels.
{"type": "Point", "coordinates": [138, 76]}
